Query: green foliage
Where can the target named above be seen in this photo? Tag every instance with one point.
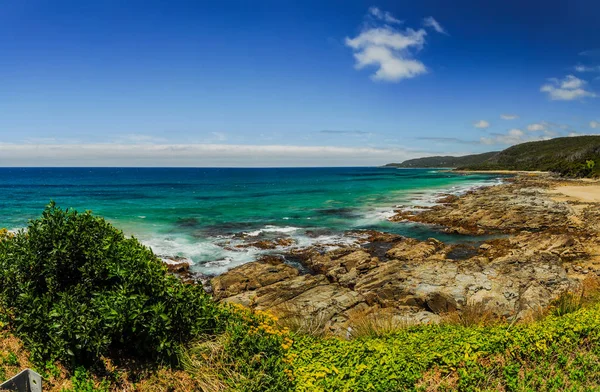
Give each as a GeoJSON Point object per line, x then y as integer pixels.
{"type": "Point", "coordinates": [567, 156]}
{"type": "Point", "coordinates": [76, 289]}
{"type": "Point", "coordinates": [557, 353]}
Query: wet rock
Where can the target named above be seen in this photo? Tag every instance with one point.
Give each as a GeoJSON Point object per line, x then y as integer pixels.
{"type": "Point", "coordinates": [268, 244]}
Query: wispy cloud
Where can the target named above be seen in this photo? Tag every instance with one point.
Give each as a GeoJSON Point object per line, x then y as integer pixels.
{"type": "Point", "coordinates": [449, 140]}
{"type": "Point", "coordinates": [431, 22]}
{"type": "Point", "coordinates": [218, 136]}
{"type": "Point", "coordinates": [587, 68]}
{"type": "Point", "coordinates": [536, 127]}
{"type": "Point", "coordinates": [568, 89]}
{"type": "Point", "coordinates": [509, 116]}
{"type": "Point", "coordinates": [383, 15]}
{"type": "Point", "coordinates": [481, 124]}
{"type": "Point", "coordinates": [590, 53]}
{"type": "Point", "coordinates": [594, 124]}
{"type": "Point", "coordinates": [389, 49]}
{"type": "Point", "coordinates": [196, 155]}
{"type": "Point", "coordinates": [516, 136]}
{"type": "Point", "coordinates": [342, 132]}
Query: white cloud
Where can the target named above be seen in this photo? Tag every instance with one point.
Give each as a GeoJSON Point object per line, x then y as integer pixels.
{"type": "Point", "coordinates": [571, 82]}
{"type": "Point", "coordinates": [509, 116]}
{"type": "Point", "coordinates": [536, 127]}
{"type": "Point", "coordinates": [196, 155]}
{"type": "Point", "coordinates": [586, 68]}
{"type": "Point", "coordinates": [391, 50]}
{"type": "Point", "coordinates": [383, 15]}
{"type": "Point", "coordinates": [594, 124]}
{"type": "Point", "coordinates": [568, 89]}
{"type": "Point", "coordinates": [431, 22]}
{"type": "Point", "coordinates": [481, 124]}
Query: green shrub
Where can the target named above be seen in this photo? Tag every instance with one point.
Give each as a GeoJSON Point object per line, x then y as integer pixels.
{"type": "Point", "coordinates": [77, 289]}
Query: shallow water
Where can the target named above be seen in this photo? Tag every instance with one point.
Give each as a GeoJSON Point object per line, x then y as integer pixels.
{"type": "Point", "coordinates": [202, 214]}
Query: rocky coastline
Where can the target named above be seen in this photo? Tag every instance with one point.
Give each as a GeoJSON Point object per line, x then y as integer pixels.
{"type": "Point", "coordinates": [536, 247]}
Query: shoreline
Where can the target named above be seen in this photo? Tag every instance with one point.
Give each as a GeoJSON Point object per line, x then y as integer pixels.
{"type": "Point", "coordinates": [546, 247]}
{"type": "Point", "coordinates": [287, 241]}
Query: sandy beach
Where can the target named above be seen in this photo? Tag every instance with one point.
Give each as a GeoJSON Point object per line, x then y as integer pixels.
{"type": "Point", "coordinates": [583, 193]}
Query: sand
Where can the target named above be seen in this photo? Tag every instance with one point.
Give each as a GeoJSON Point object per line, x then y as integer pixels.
{"type": "Point", "coordinates": [584, 193]}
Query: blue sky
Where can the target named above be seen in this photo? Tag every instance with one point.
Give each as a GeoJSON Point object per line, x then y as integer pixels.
{"type": "Point", "coordinates": [282, 83]}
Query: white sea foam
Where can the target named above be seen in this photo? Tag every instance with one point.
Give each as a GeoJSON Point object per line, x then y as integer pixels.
{"type": "Point", "coordinates": [273, 229]}
{"type": "Point", "coordinates": [215, 255]}
{"type": "Point", "coordinates": [209, 256]}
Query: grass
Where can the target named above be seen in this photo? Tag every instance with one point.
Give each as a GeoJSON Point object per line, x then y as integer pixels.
{"type": "Point", "coordinates": [473, 314]}
{"type": "Point", "coordinates": [368, 324]}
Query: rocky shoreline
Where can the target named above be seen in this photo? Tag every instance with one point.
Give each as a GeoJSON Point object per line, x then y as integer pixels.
{"type": "Point", "coordinates": [544, 247]}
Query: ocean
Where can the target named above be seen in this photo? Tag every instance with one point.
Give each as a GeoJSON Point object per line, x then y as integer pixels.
{"type": "Point", "coordinates": [206, 215]}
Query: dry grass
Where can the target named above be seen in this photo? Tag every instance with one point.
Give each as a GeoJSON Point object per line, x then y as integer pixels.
{"type": "Point", "coordinates": [590, 289]}
{"type": "Point", "coordinates": [206, 363]}
{"type": "Point", "coordinates": [436, 380]}
{"type": "Point", "coordinates": [365, 323]}
{"type": "Point", "coordinates": [472, 314]}
{"type": "Point", "coordinates": [14, 358]}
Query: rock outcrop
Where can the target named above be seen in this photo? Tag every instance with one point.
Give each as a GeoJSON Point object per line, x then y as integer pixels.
{"type": "Point", "coordinates": [511, 276]}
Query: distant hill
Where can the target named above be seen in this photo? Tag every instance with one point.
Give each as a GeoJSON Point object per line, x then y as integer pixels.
{"type": "Point", "coordinates": [445, 161]}
{"type": "Point", "coordinates": [569, 156]}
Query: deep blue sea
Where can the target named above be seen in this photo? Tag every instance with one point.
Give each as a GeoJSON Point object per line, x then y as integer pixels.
{"type": "Point", "coordinates": [203, 214]}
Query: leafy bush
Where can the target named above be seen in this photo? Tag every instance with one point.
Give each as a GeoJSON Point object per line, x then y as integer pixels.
{"type": "Point", "coordinates": [76, 289]}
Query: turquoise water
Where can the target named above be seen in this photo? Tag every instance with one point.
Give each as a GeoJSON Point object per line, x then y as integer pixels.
{"type": "Point", "coordinates": [203, 214]}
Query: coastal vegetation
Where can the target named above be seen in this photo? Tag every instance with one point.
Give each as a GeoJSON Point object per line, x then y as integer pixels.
{"type": "Point", "coordinates": [568, 156]}
{"type": "Point", "coordinates": [82, 297]}
{"type": "Point", "coordinates": [93, 310]}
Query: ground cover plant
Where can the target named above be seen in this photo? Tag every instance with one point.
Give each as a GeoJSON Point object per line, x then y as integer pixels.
{"type": "Point", "coordinates": [557, 353]}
